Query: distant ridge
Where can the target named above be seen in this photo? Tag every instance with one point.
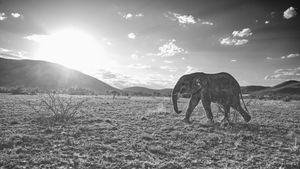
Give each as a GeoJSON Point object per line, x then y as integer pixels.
{"type": "Point", "coordinates": [291, 87]}
{"type": "Point", "coordinates": [251, 89]}
{"type": "Point", "coordinates": [46, 75]}
{"type": "Point", "coordinates": [136, 90]}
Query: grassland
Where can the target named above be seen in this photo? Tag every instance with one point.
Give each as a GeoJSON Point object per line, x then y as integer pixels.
{"type": "Point", "coordinates": [142, 132]}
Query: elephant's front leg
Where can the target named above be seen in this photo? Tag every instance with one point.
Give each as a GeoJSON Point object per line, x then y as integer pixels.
{"type": "Point", "coordinates": [192, 104]}
{"type": "Point", "coordinates": [206, 105]}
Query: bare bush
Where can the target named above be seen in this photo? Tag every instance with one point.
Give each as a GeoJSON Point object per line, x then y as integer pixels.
{"type": "Point", "coordinates": [61, 109]}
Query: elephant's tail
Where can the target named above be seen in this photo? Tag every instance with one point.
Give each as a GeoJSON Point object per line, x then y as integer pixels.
{"type": "Point", "coordinates": [243, 101]}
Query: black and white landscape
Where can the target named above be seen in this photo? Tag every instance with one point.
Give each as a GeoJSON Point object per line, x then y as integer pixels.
{"type": "Point", "coordinates": [101, 84]}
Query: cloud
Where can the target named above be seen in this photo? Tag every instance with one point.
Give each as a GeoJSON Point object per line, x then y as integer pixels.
{"type": "Point", "coordinates": [233, 60]}
{"type": "Point", "coordinates": [267, 22]}
{"type": "Point", "coordinates": [121, 81]}
{"type": "Point", "coordinates": [289, 13]}
{"type": "Point", "coordinates": [129, 16]}
{"type": "Point", "coordinates": [292, 55]}
{"type": "Point", "coordinates": [170, 49]}
{"type": "Point", "coordinates": [139, 66]}
{"type": "Point", "coordinates": [207, 23]}
{"type": "Point", "coordinates": [139, 15]}
{"type": "Point", "coordinates": [168, 61]}
{"type": "Point", "coordinates": [229, 41]}
{"type": "Point", "coordinates": [168, 68]}
{"type": "Point", "coordinates": [12, 54]}
{"type": "Point", "coordinates": [190, 69]}
{"type": "Point", "coordinates": [269, 58]}
{"type": "Point", "coordinates": [243, 33]}
{"type": "Point", "coordinates": [284, 74]}
{"type": "Point", "coordinates": [36, 37]}
{"type": "Point", "coordinates": [136, 55]}
{"type": "Point", "coordinates": [2, 16]}
{"type": "Point", "coordinates": [131, 36]}
{"type": "Point", "coordinates": [185, 19]}
{"type": "Point", "coordinates": [115, 79]}
{"type": "Point", "coordinates": [107, 42]}
{"type": "Point", "coordinates": [17, 15]}
{"type": "Point", "coordinates": [237, 38]}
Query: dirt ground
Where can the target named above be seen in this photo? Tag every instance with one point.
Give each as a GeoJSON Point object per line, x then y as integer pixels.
{"type": "Point", "coordinates": [146, 133]}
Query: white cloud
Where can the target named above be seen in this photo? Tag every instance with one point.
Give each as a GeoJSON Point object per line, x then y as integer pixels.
{"type": "Point", "coordinates": [243, 33]}
{"type": "Point", "coordinates": [136, 55]}
{"type": "Point", "coordinates": [269, 58]}
{"type": "Point", "coordinates": [168, 68]}
{"type": "Point", "coordinates": [267, 22]}
{"type": "Point", "coordinates": [289, 13]}
{"type": "Point", "coordinates": [207, 23]}
{"type": "Point", "coordinates": [129, 16]}
{"type": "Point", "coordinates": [292, 55]}
{"type": "Point", "coordinates": [284, 74]}
{"type": "Point", "coordinates": [106, 41]}
{"type": "Point", "coordinates": [2, 16]}
{"type": "Point", "coordinates": [139, 15]}
{"type": "Point", "coordinates": [36, 37]}
{"type": "Point", "coordinates": [168, 61]}
{"type": "Point", "coordinates": [190, 69]}
{"type": "Point", "coordinates": [182, 19]}
{"type": "Point", "coordinates": [229, 41]}
{"type": "Point", "coordinates": [131, 36]}
{"type": "Point", "coordinates": [121, 81]}
{"type": "Point", "coordinates": [237, 38]}
{"type": "Point", "coordinates": [170, 49]}
{"type": "Point", "coordinates": [16, 15]}
{"type": "Point", "coordinates": [12, 54]}
{"type": "Point", "coordinates": [139, 66]}
{"type": "Point", "coordinates": [185, 19]}
{"type": "Point", "coordinates": [233, 60]}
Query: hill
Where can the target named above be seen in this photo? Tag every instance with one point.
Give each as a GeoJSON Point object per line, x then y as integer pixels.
{"type": "Point", "coordinates": [143, 91]}
{"type": "Point", "coordinates": [251, 89]}
{"type": "Point", "coordinates": [46, 75]}
{"type": "Point", "coordinates": [291, 87]}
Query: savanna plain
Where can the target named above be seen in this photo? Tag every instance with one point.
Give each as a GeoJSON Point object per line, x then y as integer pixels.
{"type": "Point", "coordinates": [144, 132]}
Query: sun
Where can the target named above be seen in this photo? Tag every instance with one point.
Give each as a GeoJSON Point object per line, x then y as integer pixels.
{"type": "Point", "coordinates": [71, 48]}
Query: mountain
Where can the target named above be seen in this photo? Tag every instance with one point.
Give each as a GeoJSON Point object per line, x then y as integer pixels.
{"type": "Point", "coordinates": [251, 89]}
{"type": "Point", "coordinates": [291, 87]}
{"type": "Point", "coordinates": [46, 75]}
{"type": "Point", "coordinates": [143, 91]}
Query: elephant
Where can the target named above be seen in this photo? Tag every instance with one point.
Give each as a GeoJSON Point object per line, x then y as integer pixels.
{"type": "Point", "coordinates": [221, 88]}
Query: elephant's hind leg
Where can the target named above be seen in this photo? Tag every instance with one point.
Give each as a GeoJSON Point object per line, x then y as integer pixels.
{"type": "Point", "coordinates": [244, 114]}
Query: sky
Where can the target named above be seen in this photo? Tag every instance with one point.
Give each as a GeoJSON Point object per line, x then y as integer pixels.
{"type": "Point", "coordinates": [152, 43]}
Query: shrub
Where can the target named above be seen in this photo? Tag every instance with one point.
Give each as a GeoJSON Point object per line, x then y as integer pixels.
{"type": "Point", "coordinates": [61, 109]}
{"type": "Point", "coordinates": [286, 99]}
{"type": "Point", "coordinates": [17, 90]}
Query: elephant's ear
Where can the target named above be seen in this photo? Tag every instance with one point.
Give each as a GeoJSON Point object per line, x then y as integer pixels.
{"type": "Point", "coordinates": [200, 83]}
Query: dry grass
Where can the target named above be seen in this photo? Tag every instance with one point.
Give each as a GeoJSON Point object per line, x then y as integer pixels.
{"type": "Point", "coordinates": [146, 133]}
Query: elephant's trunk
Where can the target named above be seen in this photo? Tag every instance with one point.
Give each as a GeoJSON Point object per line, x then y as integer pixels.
{"type": "Point", "coordinates": [175, 97]}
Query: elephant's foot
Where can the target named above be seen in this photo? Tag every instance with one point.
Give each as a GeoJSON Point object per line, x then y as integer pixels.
{"type": "Point", "coordinates": [247, 118]}
{"type": "Point", "coordinates": [186, 120]}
